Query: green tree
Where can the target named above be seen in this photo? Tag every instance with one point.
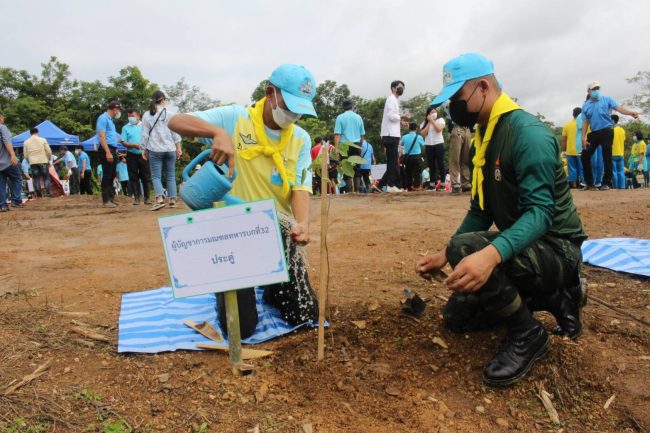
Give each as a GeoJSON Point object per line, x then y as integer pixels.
{"type": "Point", "coordinates": [329, 99]}
{"type": "Point", "coordinates": [371, 111]}
{"type": "Point", "coordinates": [259, 91]}
{"type": "Point", "coordinates": [188, 98]}
{"type": "Point", "coordinates": [642, 99]}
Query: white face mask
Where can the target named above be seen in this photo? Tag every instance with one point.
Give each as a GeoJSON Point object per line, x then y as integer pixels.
{"type": "Point", "coordinates": [283, 118]}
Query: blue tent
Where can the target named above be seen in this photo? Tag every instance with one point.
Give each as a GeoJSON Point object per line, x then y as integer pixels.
{"type": "Point", "coordinates": [54, 135]}
{"type": "Point", "coordinates": [92, 144]}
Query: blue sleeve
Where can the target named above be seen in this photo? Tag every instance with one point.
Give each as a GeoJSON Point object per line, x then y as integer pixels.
{"type": "Point", "coordinates": [337, 125]}
{"type": "Point", "coordinates": [363, 128]}
{"type": "Point", "coordinates": [612, 103]}
{"type": "Point", "coordinates": [303, 165]}
{"type": "Point", "coordinates": [223, 117]}
{"type": "Point", "coordinates": [101, 123]}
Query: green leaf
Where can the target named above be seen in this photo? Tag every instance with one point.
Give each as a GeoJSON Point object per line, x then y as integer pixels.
{"type": "Point", "coordinates": [347, 168]}
{"type": "Point", "coordinates": [357, 160]}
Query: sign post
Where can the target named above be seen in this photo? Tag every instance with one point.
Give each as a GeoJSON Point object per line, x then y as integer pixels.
{"type": "Point", "coordinates": [322, 289]}
{"type": "Point", "coordinates": [225, 249]}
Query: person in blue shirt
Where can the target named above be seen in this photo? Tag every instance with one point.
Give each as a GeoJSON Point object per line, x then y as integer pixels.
{"type": "Point", "coordinates": [411, 144]}
{"type": "Point", "coordinates": [596, 112]}
{"type": "Point", "coordinates": [349, 128]}
{"type": "Point", "coordinates": [138, 167]}
{"type": "Point", "coordinates": [85, 172]}
{"type": "Point", "coordinates": [107, 153]}
{"type": "Point", "coordinates": [123, 175]}
{"type": "Point", "coordinates": [71, 168]}
{"type": "Point", "coordinates": [367, 153]}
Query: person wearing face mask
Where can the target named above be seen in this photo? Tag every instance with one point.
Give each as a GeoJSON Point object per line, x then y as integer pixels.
{"type": "Point", "coordinates": [107, 152]}
{"type": "Point", "coordinates": [533, 261]}
{"type": "Point", "coordinates": [138, 167]}
{"type": "Point", "coordinates": [390, 136]}
{"type": "Point", "coordinates": [162, 147]}
{"type": "Point", "coordinates": [273, 160]}
{"type": "Point", "coordinates": [596, 113]}
{"type": "Point", "coordinates": [85, 172]}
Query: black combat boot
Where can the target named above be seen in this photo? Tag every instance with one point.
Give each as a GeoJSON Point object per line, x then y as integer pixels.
{"type": "Point", "coordinates": [524, 344]}
{"type": "Point", "coordinates": [566, 307]}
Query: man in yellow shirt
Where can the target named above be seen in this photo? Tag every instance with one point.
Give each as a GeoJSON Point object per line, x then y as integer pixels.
{"type": "Point", "coordinates": [571, 151]}
{"type": "Point", "coordinates": [38, 153]}
{"type": "Point", "coordinates": [618, 152]}
{"type": "Point", "coordinates": [273, 160]}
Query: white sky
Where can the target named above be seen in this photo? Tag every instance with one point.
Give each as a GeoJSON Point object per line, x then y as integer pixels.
{"type": "Point", "coordinates": [545, 51]}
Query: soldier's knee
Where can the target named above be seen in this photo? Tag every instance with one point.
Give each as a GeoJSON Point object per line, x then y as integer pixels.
{"type": "Point", "coordinates": [463, 245]}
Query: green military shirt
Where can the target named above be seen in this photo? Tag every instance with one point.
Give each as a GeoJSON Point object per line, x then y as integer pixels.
{"type": "Point", "coordinates": [525, 189]}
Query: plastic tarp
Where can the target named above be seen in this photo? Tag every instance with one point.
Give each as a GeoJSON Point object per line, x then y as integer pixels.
{"type": "Point", "coordinates": [54, 135]}
{"type": "Point", "coordinates": [619, 254]}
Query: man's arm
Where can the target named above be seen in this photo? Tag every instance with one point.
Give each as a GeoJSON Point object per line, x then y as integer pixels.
{"type": "Point", "coordinates": [102, 143]}
{"type": "Point", "coordinates": [193, 126]}
{"type": "Point", "coordinates": [6, 138]}
{"type": "Point", "coordinates": [585, 127]}
{"type": "Point", "coordinates": [300, 204]}
{"type": "Point", "coordinates": [627, 111]}
{"type": "Point", "coordinates": [564, 140]}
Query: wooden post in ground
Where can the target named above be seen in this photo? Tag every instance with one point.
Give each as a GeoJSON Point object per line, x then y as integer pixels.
{"type": "Point", "coordinates": [232, 321]}
{"type": "Point", "coordinates": [322, 290]}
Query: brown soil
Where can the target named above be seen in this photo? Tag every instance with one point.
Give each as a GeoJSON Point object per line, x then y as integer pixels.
{"type": "Point", "coordinates": [70, 255]}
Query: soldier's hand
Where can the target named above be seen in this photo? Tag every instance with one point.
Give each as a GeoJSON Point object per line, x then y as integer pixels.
{"type": "Point", "coordinates": [427, 266]}
{"type": "Point", "coordinates": [474, 270]}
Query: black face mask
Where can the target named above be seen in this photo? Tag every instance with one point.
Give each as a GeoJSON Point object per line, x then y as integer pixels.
{"type": "Point", "coordinates": [400, 91]}
{"type": "Point", "coordinates": [460, 115]}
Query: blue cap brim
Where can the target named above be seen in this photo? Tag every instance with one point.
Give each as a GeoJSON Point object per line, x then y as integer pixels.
{"type": "Point", "coordinates": [447, 92]}
{"type": "Point", "coordinates": [298, 105]}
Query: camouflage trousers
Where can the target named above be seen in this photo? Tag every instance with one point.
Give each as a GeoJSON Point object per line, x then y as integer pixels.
{"type": "Point", "coordinates": [533, 276]}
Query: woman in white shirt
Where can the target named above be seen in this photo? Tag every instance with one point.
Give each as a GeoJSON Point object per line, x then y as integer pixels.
{"type": "Point", "coordinates": [162, 148]}
{"type": "Point", "coordinates": [434, 147]}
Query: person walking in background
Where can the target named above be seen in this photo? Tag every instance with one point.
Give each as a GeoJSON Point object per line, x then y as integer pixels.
{"type": "Point", "coordinates": [349, 128]}
{"type": "Point", "coordinates": [108, 152]}
{"type": "Point", "coordinates": [390, 135]}
{"type": "Point", "coordinates": [459, 144]}
{"type": "Point", "coordinates": [85, 172]}
{"type": "Point", "coordinates": [71, 168]}
{"type": "Point", "coordinates": [9, 170]}
{"type": "Point", "coordinates": [162, 149]}
{"type": "Point", "coordinates": [572, 149]}
{"type": "Point", "coordinates": [434, 147]}
{"type": "Point", "coordinates": [123, 176]}
{"type": "Point", "coordinates": [637, 159]}
{"type": "Point", "coordinates": [618, 158]}
{"type": "Point", "coordinates": [596, 113]}
{"type": "Point", "coordinates": [139, 172]}
{"type": "Point", "coordinates": [368, 154]}
{"type": "Point", "coordinates": [412, 144]}
{"type": "Point", "coordinates": [38, 153]}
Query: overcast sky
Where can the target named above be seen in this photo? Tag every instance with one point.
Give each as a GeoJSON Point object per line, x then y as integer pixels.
{"type": "Point", "coordinates": [545, 51]}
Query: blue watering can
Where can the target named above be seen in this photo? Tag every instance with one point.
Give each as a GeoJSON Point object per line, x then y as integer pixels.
{"type": "Point", "coordinates": [208, 184]}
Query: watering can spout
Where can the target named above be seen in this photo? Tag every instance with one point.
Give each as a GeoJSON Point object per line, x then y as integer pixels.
{"type": "Point", "coordinates": [207, 185]}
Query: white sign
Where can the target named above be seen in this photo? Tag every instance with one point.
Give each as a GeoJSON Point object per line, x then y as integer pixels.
{"type": "Point", "coordinates": [221, 249]}
{"type": "Point", "coordinates": [377, 171]}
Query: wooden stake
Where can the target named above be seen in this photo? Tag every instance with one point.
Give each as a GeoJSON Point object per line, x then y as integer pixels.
{"type": "Point", "coordinates": [322, 290]}
{"type": "Point", "coordinates": [232, 321]}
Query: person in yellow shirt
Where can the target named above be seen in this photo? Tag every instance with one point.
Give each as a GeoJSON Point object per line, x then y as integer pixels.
{"type": "Point", "coordinates": [571, 151]}
{"type": "Point", "coordinates": [637, 160]}
{"type": "Point", "coordinates": [618, 151]}
{"type": "Point", "coordinates": [273, 160]}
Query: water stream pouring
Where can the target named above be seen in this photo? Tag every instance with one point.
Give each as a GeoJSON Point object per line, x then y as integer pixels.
{"type": "Point", "coordinates": [208, 184]}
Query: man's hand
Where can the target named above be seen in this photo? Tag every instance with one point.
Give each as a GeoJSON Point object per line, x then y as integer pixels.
{"type": "Point", "coordinates": [427, 266]}
{"type": "Point", "coordinates": [14, 160]}
{"type": "Point", "coordinates": [179, 152]}
{"type": "Point", "coordinates": [299, 234]}
{"type": "Point", "coordinates": [145, 154]}
{"type": "Point", "coordinates": [585, 143]}
{"type": "Point", "coordinates": [109, 156]}
{"type": "Point", "coordinates": [404, 123]}
{"type": "Point", "coordinates": [81, 175]}
{"type": "Point", "coordinates": [474, 270]}
{"type": "Point", "coordinates": [223, 150]}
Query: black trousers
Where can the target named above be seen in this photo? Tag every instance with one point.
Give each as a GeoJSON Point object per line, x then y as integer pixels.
{"type": "Point", "coordinates": [41, 171]}
{"type": "Point", "coordinates": [436, 160]}
{"type": "Point", "coordinates": [108, 169]}
{"type": "Point", "coordinates": [85, 184]}
{"type": "Point", "coordinates": [295, 299]}
{"type": "Point", "coordinates": [391, 177]}
{"type": "Point", "coordinates": [74, 180]}
{"type": "Point", "coordinates": [364, 174]}
{"type": "Point", "coordinates": [605, 138]}
{"type": "Point", "coordinates": [138, 172]}
{"type": "Point", "coordinates": [413, 171]}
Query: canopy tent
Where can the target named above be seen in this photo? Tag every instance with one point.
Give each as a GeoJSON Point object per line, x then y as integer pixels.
{"type": "Point", "coordinates": [92, 144]}
{"type": "Point", "coordinates": [54, 135]}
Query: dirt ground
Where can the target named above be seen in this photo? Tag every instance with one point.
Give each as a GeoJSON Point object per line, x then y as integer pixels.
{"type": "Point", "coordinates": [67, 259]}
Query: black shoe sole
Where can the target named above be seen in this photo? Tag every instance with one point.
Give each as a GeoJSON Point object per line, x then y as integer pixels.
{"type": "Point", "coordinates": [540, 354]}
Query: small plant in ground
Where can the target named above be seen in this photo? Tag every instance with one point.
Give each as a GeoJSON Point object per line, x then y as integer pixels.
{"type": "Point", "coordinates": [20, 425]}
{"type": "Point", "coordinates": [87, 395]}
{"type": "Point", "coordinates": [203, 428]}
{"type": "Point", "coordinates": [116, 427]}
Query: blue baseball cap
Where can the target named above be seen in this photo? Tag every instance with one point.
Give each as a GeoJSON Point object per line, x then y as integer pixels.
{"type": "Point", "coordinates": [298, 87]}
{"type": "Point", "coordinates": [457, 71]}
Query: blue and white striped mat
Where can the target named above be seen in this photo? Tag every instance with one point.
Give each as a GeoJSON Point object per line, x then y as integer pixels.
{"type": "Point", "coordinates": [619, 254]}
{"type": "Point", "coordinates": [152, 321]}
